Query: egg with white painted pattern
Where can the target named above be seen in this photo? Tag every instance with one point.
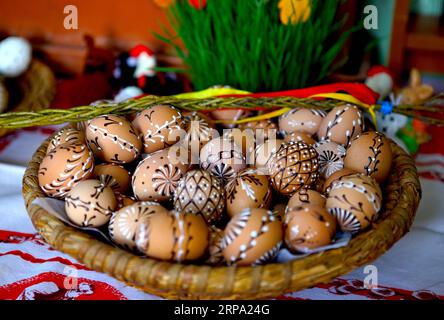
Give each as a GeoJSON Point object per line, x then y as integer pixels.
{"type": "Point", "coordinates": [124, 223]}
{"type": "Point", "coordinates": [248, 189]}
{"type": "Point", "coordinates": [301, 120]}
{"type": "Point", "coordinates": [199, 192]}
{"type": "Point", "coordinates": [113, 139]}
{"type": "Point", "coordinates": [157, 176]}
{"type": "Point", "coordinates": [252, 237]}
{"type": "Point", "coordinates": [308, 227]}
{"type": "Point", "coordinates": [342, 124]}
{"type": "Point", "coordinates": [173, 236]}
{"type": "Point", "coordinates": [66, 136]}
{"type": "Point", "coordinates": [355, 201]}
{"type": "Point", "coordinates": [90, 203]}
{"type": "Point", "coordinates": [159, 126]}
{"type": "Point", "coordinates": [63, 167]}
{"type": "Point", "coordinates": [370, 153]}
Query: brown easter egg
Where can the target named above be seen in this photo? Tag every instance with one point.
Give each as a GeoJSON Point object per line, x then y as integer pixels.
{"type": "Point", "coordinates": [342, 124]}
{"type": "Point", "coordinates": [113, 139]}
{"type": "Point", "coordinates": [159, 126]}
{"type": "Point", "coordinates": [370, 153]}
{"type": "Point", "coordinates": [63, 167]}
{"type": "Point", "coordinates": [252, 237]}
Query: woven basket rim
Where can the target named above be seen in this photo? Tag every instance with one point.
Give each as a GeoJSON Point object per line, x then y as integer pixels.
{"type": "Point", "coordinates": [173, 280]}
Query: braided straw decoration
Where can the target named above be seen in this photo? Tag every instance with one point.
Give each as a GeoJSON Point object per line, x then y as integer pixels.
{"type": "Point", "coordinates": [15, 120]}
{"type": "Point", "coordinates": [36, 88]}
{"type": "Point", "coordinates": [172, 280]}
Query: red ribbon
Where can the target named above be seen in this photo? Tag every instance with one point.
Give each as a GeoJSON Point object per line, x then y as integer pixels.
{"type": "Point", "coordinates": [359, 90]}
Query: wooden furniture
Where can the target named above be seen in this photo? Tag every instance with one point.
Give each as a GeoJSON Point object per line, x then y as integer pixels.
{"type": "Point", "coordinates": [114, 24]}
{"type": "Point", "coordinates": [417, 41]}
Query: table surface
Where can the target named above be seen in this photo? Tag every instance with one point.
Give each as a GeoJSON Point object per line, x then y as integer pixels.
{"type": "Point", "coordinates": [30, 269]}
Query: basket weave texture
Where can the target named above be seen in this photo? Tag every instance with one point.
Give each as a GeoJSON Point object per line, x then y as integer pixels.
{"type": "Point", "coordinates": [35, 90]}
{"type": "Point", "coordinates": [402, 194]}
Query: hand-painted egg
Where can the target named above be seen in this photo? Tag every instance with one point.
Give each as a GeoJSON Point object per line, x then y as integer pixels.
{"type": "Point", "coordinates": [335, 176]}
{"type": "Point", "coordinates": [248, 190]}
{"type": "Point", "coordinates": [331, 157]}
{"type": "Point", "coordinates": [90, 203]}
{"type": "Point", "coordinates": [121, 177]}
{"type": "Point", "coordinates": [292, 167]}
{"type": "Point", "coordinates": [262, 154]}
{"type": "Point", "coordinates": [252, 237]}
{"type": "Point", "coordinates": [262, 130]}
{"type": "Point", "coordinates": [222, 157]}
{"type": "Point", "coordinates": [306, 196]}
{"type": "Point", "coordinates": [199, 130]}
{"type": "Point", "coordinates": [342, 124]}
{"type": "Point", "coordinates": [124, 223]}
{"type": "Point", "coordinates": [199, 192]}
{"type": "Point", "coordinates": [173, 236]}
{"type": "Point", "coordinates": [215, 247]}
{"type": "Point", "coordinates": [243, 139]}
{"type": "Point", "coordinates": [157, 176]}
{"type": "Point", "coordinates": [355, 201]}
{"type": "Point", "coordinates": [113, 139]}
{"type": "Point", "coordinates": [308, 227]}
{"type": "Point", "coordinates": [371, 154]}
{"type": "Point", "coordinates": [63, 167]}
{"type": "Point", "coordinates": [159, 126]}
{"type": "Point", "coordinates": [299, 136]}
{"type": "Point", "coordinates": [66, 136]}
{"type": "Point", "coordinates": [15, 56]}
{"type": "Point", "coordinates": [301, 120]}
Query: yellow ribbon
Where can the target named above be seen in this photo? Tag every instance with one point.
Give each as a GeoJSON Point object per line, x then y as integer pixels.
{"type": "Point", "coordinates": [337, 96]}
{"type": "Point", "coordinates": [213, 92]}
{"type": "Point", "coordinates": [210, 92]}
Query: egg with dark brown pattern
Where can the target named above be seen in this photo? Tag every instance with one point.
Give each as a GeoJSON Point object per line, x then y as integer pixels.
{"type": "Point", "coordinates": [301, 120]}
{"type": "Point", "coordinates": [157, 176]}
{"type": "Point", "coordinates": [125, 222]}
{"type": "Point", "coordinates": [63, 167]}
{"type": "Point", "coordinates": [121, 178]}
{"type": "Point", "coordinates": [66, 136]}
{"type": "Point", "coordinates": [113, 139]}
{"type": "Point", "coordinates": [306, 196]}
{"type": "Point", "coordinates": [90, 203]}
{"type": "Point", "coordinates": [222, 157]}
{"type": "Point", "coordinates": [292, 167]}
{"type": "Point", "coordinates": [173, 236]}
{"type": "Point", "coordinates": [331, 157]}
{"type": "Point", "coordinates": [248, 189]}
{"type": "Point", "coordinates": [355, 201]}
{"type": "Point", "coordinates": [335, 176]}
{"type": "Point", "coordinates": [308, 227]}
{"type": "Point", "coordinates": [252, 237]}
{"type": "Point", "coordinates": [370, 153]}
{"type": "Point", "coordinates": [159, 126]}
{"type": "Point", "coordinates": [342, 124]}
{"type": "Point", "coordinates": [199, 192]}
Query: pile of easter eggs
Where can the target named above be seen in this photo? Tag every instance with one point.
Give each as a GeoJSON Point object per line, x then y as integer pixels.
{"type": "Point", "coordinates": [168, 185]}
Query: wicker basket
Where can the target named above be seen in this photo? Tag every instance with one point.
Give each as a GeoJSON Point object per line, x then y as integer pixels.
{"type": "Point", "coordinates": [172, 280]}
{"type": "Point", "coordinates": [32, 91]}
